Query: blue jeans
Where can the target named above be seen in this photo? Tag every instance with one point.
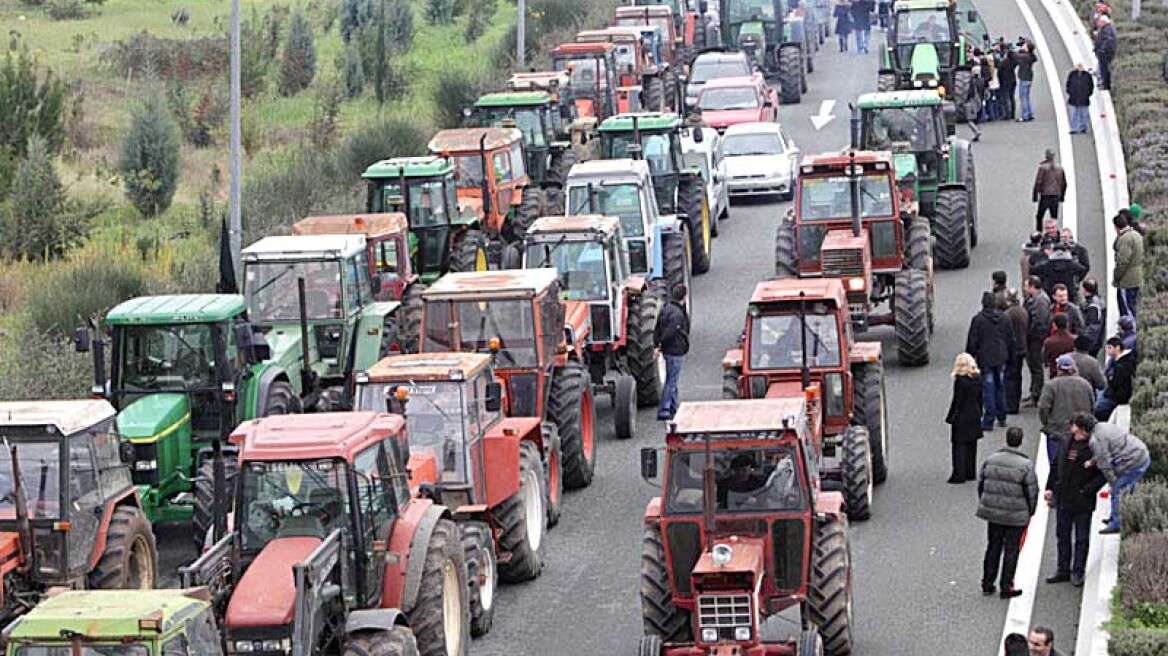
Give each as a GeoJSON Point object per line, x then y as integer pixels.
{"type": "Point", "coordinates": [1128, 299]}
{"type": "Point", "coordinates": [993, 387]}
{"type": "Point", "coordinates": [1125, 482]}
{"type": "Point", "coordinates": [669, 402]}
{"type": "Point", "coordinates": [1053, 442]}
{"type": "Point", "coordinates": [1080, 118]}
{"type": "Point", "coordinates": [1024, 99]}
{"type": "Point", "coordinates": [1104, 406]}
{"type": "Point", "coordinates": [862, 35]}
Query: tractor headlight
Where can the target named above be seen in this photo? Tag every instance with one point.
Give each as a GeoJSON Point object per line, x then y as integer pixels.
{"type": "Point", "coordinates": [277, 645]}
{"type": "Point", "coordinates": [709, 635]}
{"type": "Point", "coordinates": [244, 646]}
{"type": "Point", "coordinates": [722, 554]}
{"type": "Point", "coordinates": [742, 633]}
{"type": "Point", "coordinates": [918, 84]}
{"type": "Point", "coordinates": [146, 465]}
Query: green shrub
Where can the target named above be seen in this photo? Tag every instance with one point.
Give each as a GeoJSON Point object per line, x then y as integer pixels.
{"type": "Point", "coordinates": [37, 225]}
{"type": "Point", "coordinates": [1143, 579]}
{"type": "Point", "coordinates": [41, 366]}
{"type": "Point", "coordinates": [399, 19]}
{"type": "Point", "coordinates": [456, 90]}
{"type": "Point", "coordinates": [298, 65]}
{"type": "Point", "coordinates": [1146, 509]}
{"type": "Point", "coordinates": [352, 70]}
{"type": "Point", "coordinates": [254, 61]}
{"type": "Point", "coordinates": [75, 292]}
{"type": "Point", "coordinates": [32, 102]}
{"type": "Point", "coordinates": [302, 181]}
{"type": "Point", "coordinates": [441, 12]}
{"type": "Point", "coordinates": [66, 10]}
{"type": "Point", "coordinates": [184, 59]}
{"type": "Point", "coordinates": [379, 140]}
{"type": "Point", "coordinates": [1138, 642]}
{"type": "Point", "coordinates": [150, 157]}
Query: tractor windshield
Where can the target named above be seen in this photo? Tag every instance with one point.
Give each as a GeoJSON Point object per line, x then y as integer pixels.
{"type": "Point", "coordinates": [435, 420]}
{"type": "Point", "coordinates": [40, 469]}
{"type": "Point", "coordinates": [469, 326]}
{"type": "Point", "coordinates": [273, 292]}
{"type": "Point", "coordinates": [765, 479]}
{"type": "Point", "coordinates": [431, 201]}
{"type": "Point", "coordinates": [87, 649]}
{"type": "Point", "coordinates": [741, 11]}
{"type": "Point", "coordinates": [830, 197]}
{"type": "Point", "coordinates": [291, 499]}
{"type": "Point", "coordinates": [174, 357]}
{"type": "Point", "coordinates": [775, 342]}
{"type": "Point", "coordinates": [469, 174]}
{"type": "Point", "coordinates": [625, 56]}
{"type": "Point", "coordinates": [657, 148]}
{"type": "Point", "coordinates": [620, 200]}
{"type": "Point", "coordinates": [527, 119]}
{"type": "Point", "coordinates": [580, 263]}
{"type": "Point", "coordinates": [900, 129]}
{"type": "Point", "coordinates": [922, 26]}
{"type": "Point", "coordinates": [588, 73]}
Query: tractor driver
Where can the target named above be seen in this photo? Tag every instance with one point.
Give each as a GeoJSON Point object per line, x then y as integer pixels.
{"type": "Point", "coordinates": [931, 31]}
{"type": "Point", "coordinates": [748, 487]}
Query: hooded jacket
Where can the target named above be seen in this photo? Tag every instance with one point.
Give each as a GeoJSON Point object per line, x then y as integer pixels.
{"type": "Point", "coordinates": [1007, 488]}
{"type": "Point", "coordinates": [1060, 268]}
{"type": "Point", "coordinates": [1120, 373]}
{"type": "Point", "coordinates": [1116, 451]}
{"type": "Point", "coordinates": [990, 340]}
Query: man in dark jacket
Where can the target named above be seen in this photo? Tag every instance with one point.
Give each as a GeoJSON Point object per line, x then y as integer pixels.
{"type": "Point", "coordinates": [1007, 79]}
{"type": "Point", "coordinates": [1106, 45]}
{"type": "Point", "coordinates": [1071, 490]}
{"type": "Point", "coordinates": [1127, 332]}
{"type": "Point", "coordinates": [1090, 338]}
{"type": "Point", "coordinates": [1080, 86]}
{"type": "Point", "coordinates": [1037, 306]}
{"type": "Point", "coordinates": [672, 337]}
{"type": "Point", "coordinates": [1060, 343]}
{"type": "Point", "coordinates": [991, 343]}
{"type": "Point", "coordinates": [1121, 369]}
{"type": "Point", "coordinates": [1063, 397]}
{"type": "Point", "coordinates": [1016, 317]}
{"type": "Point", "coordinates": [862, 23]}
{"type": "Point", "coordinates": [1077, 250]}
{"type": "Point", "coordinates": [1060, 303]}
{"type": "Point", "coordinates": [1050, 188]}
{"type": "Point", "coordinates": [1007, 495]}
{"type": "Point", "coordinates": [1060, 269]}
{"type": "Point", "coordinates": [1026, 58]}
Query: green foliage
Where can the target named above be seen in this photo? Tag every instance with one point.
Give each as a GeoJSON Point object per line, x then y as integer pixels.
{"type": "Point", "coordinates": [184, 59]}
{"type": "Point", "coordinates": [41, 366]}
{"type": "Point", "coordinates": [298, 65]}
{"type": "Point", "coordinates": [1143, 578]}
{"type": "Point", "coordinates": [303, 181]}
{"type": "Point", "coordinates": [37, 225]}
{"type": "Point", "coordinates": [255, 57]}
{"type": "Point", "coordinates": [378, 140]}
{"type": "Point", "coordinates": [31, 103]}
{"type": "Point", "coordinates": [456, 89]}
{"type": "Point", "coordinates": [1146, 509]}
{"type": "Point", "coordinates": [1138, 642]}
{"type": "Point", "coordinates": [66, 10]}
{"type": "Point", "coordinates": [76, 292]}
{"type": "Point", "coordinates": [399, 19]}
{"type": "Point", "coordinates": [478, 18]}
{"type": "Point", "coordinates": [326, 108]}
{"type": "Point", "coordinates": [441, 12]}
{"type": "Point", "coordinates": [150, 157]}
{"type": "Point", "coordinates": [352, 70]}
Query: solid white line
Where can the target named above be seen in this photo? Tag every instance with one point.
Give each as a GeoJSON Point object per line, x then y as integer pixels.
{"type": "Point", "coordinates": [1030, 560]}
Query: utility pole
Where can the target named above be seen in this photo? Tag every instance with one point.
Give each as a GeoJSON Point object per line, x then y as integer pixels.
{"type": "Point", "coordinates": [1135, 10]}
{"type": "Point", "coordinates": [236, 215]}
{"type": "Point", "coordinates": [521, 36]}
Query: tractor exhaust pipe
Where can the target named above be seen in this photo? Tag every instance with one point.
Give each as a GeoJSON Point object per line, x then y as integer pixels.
{"type": "Point", "coordinates": [591, 198]}
{"type": "Point", "coordinates": [20, 502]}
{"type": "Point", "coordinates": [486, 187]}
{"type": "Point", "coordinates": [219, 485]}
{"type": "Point", "coordinates": [803, 340]}
{"type": "Point", "coordinates": [855, 178]}
{"type": "Point", "coordinates": [709, 496]}
{"type": "Point", "coordinates": [307, 375]}
{"type": "Point", "coordinates": [98, 362]}
{"type": "Point", "coordinates": [405, 191]}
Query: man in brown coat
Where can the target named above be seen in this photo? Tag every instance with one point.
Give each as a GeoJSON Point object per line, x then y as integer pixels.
{"type": "Point", "coordinates": [1059, 343]}
{"type": "Point", "coordinates": [1050, 188]}
{"type": "Point", "coordinates": [1017, 318]}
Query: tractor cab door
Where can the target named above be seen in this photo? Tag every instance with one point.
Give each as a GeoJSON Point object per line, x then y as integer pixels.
{"type": "Point", "coordinates": [391, 264]}
{"type": "Point", "coordinates": [84, 497]}
{"type": "Point", "coordinates": [376, 498]}
{"type": "Point", "coordinates": [433, 205]}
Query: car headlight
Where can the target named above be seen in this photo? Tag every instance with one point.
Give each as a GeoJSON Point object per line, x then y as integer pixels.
{"type": "Point", "coordinates": [146, 465]}
{"type": "Point", "coordinates": [709, 635]}
{"type": "Point", "coordinates": [742, 633]}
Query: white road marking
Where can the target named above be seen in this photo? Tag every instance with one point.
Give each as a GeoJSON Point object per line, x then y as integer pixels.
{"type": "Point", "coordinates": [824, 116]}
{"type": "Point", "coordinates": [1030, 560]}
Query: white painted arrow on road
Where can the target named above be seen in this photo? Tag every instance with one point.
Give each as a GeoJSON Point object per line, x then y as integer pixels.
{"type": "Point", "coordinates": [824, 116]}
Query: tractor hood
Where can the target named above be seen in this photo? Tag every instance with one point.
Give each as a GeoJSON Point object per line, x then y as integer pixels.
{"type": "Point", "coordinates": [785, 389]}
{"type": "Point", "coordinates": [266, 593]}
{"type": "Point", "coordinates": [284, 340]}
{"type": "Point", "coordinates": [151, 418]}
{"type": "Point", "coordinates": [925, 64]}
{"type": "Point", "coordinates": [743, 571]}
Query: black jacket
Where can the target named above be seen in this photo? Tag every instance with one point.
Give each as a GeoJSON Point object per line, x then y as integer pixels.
{"type": "Point", "coordinates": [1106, 42]}
{"type": "Point", "coordinates": [965, 409]}
{"type": "Point", "coordinates": [1006, 67]}
{"type": "Point", "coordinates": [672, 331]}
{"type": "Point", "coordinates": [1074, 484]}
{"type": "Point", "coordinates": [1080, 86]}
{"type": "Point", "coordinates": [1119, 377]}
{"type": "Point", "coordinates": [990, 340]}
{"type": "Point", "coordinates": [861, 14]}
{"type": "Point", "coordinates": [1060, 268]}
{"type": "Point", "coordinates": [1038, 309]}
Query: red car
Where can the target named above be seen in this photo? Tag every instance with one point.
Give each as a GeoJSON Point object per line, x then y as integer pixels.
{"type": "Point", "coordinates": [729, 101]}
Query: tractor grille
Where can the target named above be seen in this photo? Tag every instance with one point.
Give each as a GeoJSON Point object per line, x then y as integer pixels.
{"type": "Point", "coordinates": [145, 464]}
{"type": "Point", "coordinates": [843, 263]}
{"type": "Point", "coordinates": [723, 611]}
{"type": "Point", "coordinates": [601, 324]}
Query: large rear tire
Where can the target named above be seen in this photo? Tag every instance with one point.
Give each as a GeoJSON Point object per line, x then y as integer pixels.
{"type": "Point", "coordinates": [871, 410]}
{"type": "Point", "coordinates": [918, 250]}
{"type": "Point", "coordinates": [691, 201]}
{"type": "Point", "coordinates": [398, 641]}
{"type": "Point", "coordinates": [911, 309]}
{"type": "Point", "coordinates": [676, 259]}
{"type": "Point", "coordinates": [662, 618]}
{"type": "Point", "coordinates": [204, 512]}
{"type": "Point", "coordinates": [856, 470]}
{"type": "Point", "coordinates": [829, 593]}
{"type": "Point", "coordinates": [482, 575]}
{"type": "Point", "coordinates": [963, 92]}
{"type": "Point", "coordinates": [440, 617]}
{"type": "Point", "coordinates": [570, 409]}
{"type": "Point", "coordinates": [469, 252]}
{"type": "Point", "coordinates": [730, 382]}
{"type": "Point", "coordinates": [790, 75]}
{"type": "Point", "coordinates": [410, 336]}
{"type": "Point", "coordinates": [811, 643]}
{"type": "Point", "coordinates": [129, 560]}
{"type": "Point", "coordinates": [522, 520]}
{"type": "Point", "coordinates": [951, 227]}
{"type": "Point", "coordinates": [786, 260]}
{"type": "Point", "coordinates": [653, 95]}
{"type": "Point", "coordinates": [640, 353]}
{"type": "Point", "coordinates": [531, 203]}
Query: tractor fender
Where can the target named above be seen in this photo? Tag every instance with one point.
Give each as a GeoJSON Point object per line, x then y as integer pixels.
{"type": "Point", "coordinates": [374, 619]}
{"type": "Point", "coordinates": [635, 285]}
{"type": "Point", "coordinates": [958, 163]}
{"type": "Point", "coordinates": [501, 459]}
{"type": "Point", "coordinates": [128, 497]}
{"type": "Point", "coordinates": [419, 541]}
{"type": "Point", "coordinates": [863, 352]}
{"type": "Point", "coordinates": [577, 325]}
{"type": "Point", "coordinates": [732, 359]}
{"type": "Point", "coordinates": [829, 504]}
{"type": "Point", "coordinates": [262, 385]}
{"type": "Point", "coordinates": [653, 512]}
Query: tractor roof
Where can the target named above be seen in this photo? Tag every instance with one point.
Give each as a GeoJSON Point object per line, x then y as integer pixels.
{"type": "Point", "coordinates": [920, 5]}
{"type": "Point", "coordinates": [68, 417]}
{"type": "Point", "coordinates": [539, 80]}
{"type": "Point", "coordinates": [739, 416]}
{"type": "Point", "coordinates": [469, 140]}
{"type": "Point", "coordinates": [812, 289]}
{"type": "Point", "coordinates": [480, 284]}
{"type": "Point", "coordinates": [616, 34]}
{"type": "Point", "coordinates": [428, 366]}
{"type": "Point", "coordinates": [108, 614]}
{"type": "Point", "coordinates": [606, 169]}
{"type": "Point", "coordinates": [906, 98]}
{"type": "Point", "coordinates": [312, 436]}
{"type": "Point", "coordinates": [411, 167]}
{"type": "Point", "coordinates": [645, 121]}
{"type": "Point", "coordinates": [514, 99]}
{"type": "Point", "coordinates": [370, 225]}
{"type": "Point", "coordinates": [579, 224]}
{"type": "Point", "coordinates": [583, 49]}
{"type": "Point", "coordinates": [643, 11]}
{"type": "Point", "coordinates": [177, 308]}
{"type": "Point", "coordinates": [303, 247]}
{"type": "Point", "coordinates": [841, 159]}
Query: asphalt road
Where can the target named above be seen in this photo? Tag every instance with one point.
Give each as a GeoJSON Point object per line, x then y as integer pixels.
{"type": "Point", "coordinates": [917, 562]}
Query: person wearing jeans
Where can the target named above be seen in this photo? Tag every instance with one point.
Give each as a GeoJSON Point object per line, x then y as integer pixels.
{"type": "Point", "coordinates": [1121, 457]}
{"type": "Point", "coordinates": [1080, 86]}
{"type": "Point", "coordinates": [991, 343]}
{"type": "Point", "coordinates": [671, 335]}
{"type": "Point", "coordinates": [1026, 59]}
{"type": "Point", "coordinates": [1128, 273]}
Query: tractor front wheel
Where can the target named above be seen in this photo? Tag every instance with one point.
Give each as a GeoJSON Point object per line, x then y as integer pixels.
{"type": "Point", "coordinates": [790, 75]}
{"type": "Point", "coordinates": [129, 560]}
{"type": "Point", "coordinates": [440, 617]}
{"type": "Point", "coordinates": [469, 252]}
{"type": "Point", "coordinates": [640, 353]}
{"type": "Point", "coordinates": [951, 226]}
{"type": "Point", "coordinates": [911, 309]}
{"type": "Point", "coordinates": [856, 463]}
{"type": "Point", "coordinates": [918, 250]}
{"type": "Point", "coordinates": [730, 382]}
{"type": "Point", "coordinates": [398, 641]}
{"type": "Point", "coordinates": [531, 202]}
{"type": "Point", "coordinates": [522, 520]}
{"type": "Point", "coordinates": [662, 618]}
{"type": "Point", "coordinates": [871, 410]}
{"type": "Point", "coordinates": [829, 593]}
{"type": "Point", "coordinates": [653, 95]}
{"type": "Point", "coordinates": [570, 409]}
{"type": "Point", "coordinates": [204, 512]}
{"type": "Point", "coordinates": [624, 402]}
{"type": "Point", "coordinates": [482, 575]}
{"type": "Point", "coordinates": [553, 473]}
{"type": "Point", "coordinates": [691, 201]}
{"type": "Point", "coordinates": [786, 261]}
{"type": "Point", "coordinates": [963, 93]}
{"type": "Point", "coordinates": [676, 261]}
{"type": "Point", "coordinates": [411, 331]}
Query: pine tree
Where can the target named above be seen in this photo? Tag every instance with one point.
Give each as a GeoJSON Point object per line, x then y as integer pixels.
{"type": "Point", "coordinates": [150, 158]}
{"type": "Point", "coordinates": [30, 104]}
{"type": "Point", "coordinates": [35, 225]}
{"type": "Point", "coordinates": [353, 71]}
{"type": "Point", "coordinates": [298, 66]}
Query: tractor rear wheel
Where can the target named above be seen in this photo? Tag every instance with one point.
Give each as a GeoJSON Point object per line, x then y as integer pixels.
{"type": "Point", "coordinates": [553, 472]}
{"type": "Point", "coordinates": [786, 261]}
{"type": "Point", "coordinates": [624, 401]}
{"type": "Point", "coordinates": [676, 257]}
{"type": "Point", "coordinates": [411, 328]}
{"type": "Point", "coordinates": [204, 512]}
{"type": "Point", "coordinates": [653, 95]}
{"type": "Point", "coordinates": [482, 575]}
{"type": "Point", "coordinates": [469, 252]}
{"type": "Point", "coordinates": [440, 617]}
{"type": "Point", "coordinates": [730, 382]}
{"type": "Point", "coordinates": [856, 466]}
{"type": "Point", "coordinates": [661, 616]}
{"type": "Point", "coordinates": [640, 353]}
{"type": "Point", "coordinates": [691, 201]}
{"type": "Point", "coordinates": [398, 641]}
{"type": "Point", "coordinates": [129, 560]}
{"type": "Point", "coordinates": [971, 187]}
{"type": "Point", "coordinates": [871, 410]}
{"type": "Point", "coordinates": [829, 593]}
{"type": "Point", "coordinates": [963, 92]}
{"type": "Point", "coordinates": [531, 203]}
{"type": "Point", "coordinates": [886, 82]}
{"type": "Point", "coordinates": [669, 102]}
{"type": "Point", "coordinates": [651, 645]}
{"type": "Point", "coordinates": [522, 520]}
{"type": "Point", "coordinates": [790, 75]}
{"type": "Point", "coordinates": [951, 226]}
{"type": "Point", "coordinates": [918, 251]}
{"type": "Point", "coordinates": [570, 409]}
{"type": "Point", "coordinates": [911, 307]}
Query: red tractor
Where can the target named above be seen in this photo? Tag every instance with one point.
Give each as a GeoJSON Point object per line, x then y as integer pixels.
{"type": "Point", "coordinates": [849, 222]}
{"type": "Point", "coordinates": [330, 552]}
{"type": "Point", "coordinates": [537, 343]}
{"type": "Point", "coordinates": [742, 532]}
{"type": "Point", "coordinates": [797, 335]}
{"type": "Point", "coordinates": [640, 74]}
{"type": "Point", "coordinates": [593, 71]}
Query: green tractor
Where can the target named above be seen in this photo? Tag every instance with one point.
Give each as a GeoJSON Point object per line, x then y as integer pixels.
{"type": "Point", "coordinates": [680, 188]}
{"type": "Point", "coordinates": [926, 48]}
{"type": "Point", "coordinates": [443, 236]}
{"type": "Point", "coordinates": [932, 165]}
{"type": "Point", "coordinates": [774, 39]}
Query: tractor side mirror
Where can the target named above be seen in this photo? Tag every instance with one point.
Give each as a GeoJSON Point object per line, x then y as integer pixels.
{"type": "Point", "coordinates": [126, 452]}
{"type": "Point", "coordinates": [81, 339]}
{"type": "Point", "coordinates": [252, 343]}
{"type": "Point", "coordinates": [494, 397]}
{"type": "Point", "coordinates": [648, 464]}
{"type": "Point", "coordinates": [971, 15]}
{"type": "Point", "coordinates": [698, 137]}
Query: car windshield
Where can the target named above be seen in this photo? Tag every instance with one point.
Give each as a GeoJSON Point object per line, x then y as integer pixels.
{"type": "Point", "coordinates": [728, 98]}
{"type": "Point", "coordinates": [291, 499]}
{"type": "Point", "coordinates": [748, 10]}
{"type": "Point", "coordinates": [620, 200]}
{"type": "Point", "coordinates": [705, 70]}
{"type": "Point", "coordinates": [580, 263]}
{"type": "Point", "coordinates": [87, 649]}
{"type": "Point", "coordinates": [740, 145]}
{"type": "Point", "coordinates": [273, 293]}
{"type": "Point", "coordinates": [427, 205]}
{"type": "Point", "coordinates": [40, 469]}
{"type": "Point", "coordinates": [527, 119]}
{"type": "Point", "coordinates": [830, 197]}
{"type": "Point", "coordinates": [775, 342]}
{"type": "Point", "coordinates": [900, 129]}
{"type": "Point", "coordinates": [177, 356]}
{"type": "Point", "coordinates": [477, 322]}
{"type": "Point", "coordinates": [656, 148]}
{"type": "Point", "coordinates": [746, 480]}
{"type": "Point", "coordinates": [434, 418]}
{"type": "Point", "coordinates": [922, 26]}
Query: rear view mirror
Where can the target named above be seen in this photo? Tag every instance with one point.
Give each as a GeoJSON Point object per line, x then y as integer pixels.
{"type": "Point", "coordinates": [698, 137]}
{"type": "Point", "coordinates": [252, 343]}
{"type": "Point", "coordinates": [971, 16]}
{"type": "Point", "coordinates": [126, 452]}
{"type": "Point", "coordinates": [81, 339]}
{"type": "Point", "coordinates": [494, 400]}
{"type": "Point", "coordinates": [648, 464]}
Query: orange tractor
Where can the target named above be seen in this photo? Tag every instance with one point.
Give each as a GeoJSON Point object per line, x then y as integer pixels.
{"type": "Point", "coordinates": [742, 532]}
{"type": "Point", "coordinates": [537, 343]}
{"type": "Point", "coordinates": [644, 81]}
{"type": "Point", "coordinates": [593, 71]}
{"type": "Point", "coordinates": [797, 335]}
{"type": "Point", "coordinates": [330, 552]}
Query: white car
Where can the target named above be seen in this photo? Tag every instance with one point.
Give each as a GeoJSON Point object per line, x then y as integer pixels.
{"type": "Point", "coordinates": [708, 156]}
{"type": "Point", "coordinates": [761, 160]}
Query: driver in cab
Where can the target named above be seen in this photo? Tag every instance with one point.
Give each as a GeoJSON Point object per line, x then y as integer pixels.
{"type": "Point", "coordinates": [930, 30]}
{"type": "Point", "coordinates": [745, 486]}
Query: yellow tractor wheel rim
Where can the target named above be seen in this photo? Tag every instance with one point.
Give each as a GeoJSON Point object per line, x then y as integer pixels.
{"type": "Point", "coordinates": [480, 260]}
{"type": "Point", "coordinates": [705, 227]}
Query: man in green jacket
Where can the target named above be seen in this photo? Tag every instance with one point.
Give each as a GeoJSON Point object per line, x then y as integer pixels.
{"type": "Point", "coordinates": [1129, 265]}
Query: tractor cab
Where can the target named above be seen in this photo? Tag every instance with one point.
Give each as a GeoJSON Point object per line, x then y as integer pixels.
{"type": "Point", "coordinates": [653, 137]}
{"type": "Point", "coordinates": [621, 189]}
{"type": "Point", "coordinates": [915, 126]}
{"type": "Point", "coordinates": [558, 86]}
{"type": "Point", "coordinates": [593, 73]}
{"type": "Point", "coordinates": [662, 32]}
{"type": "Point", "coordinates": [387, 242]}
{"type": "Point", "coordinates": [490, 174]}
{"type": "Point", "coordinates": [927, 49]}
{"type": "Point", "coordinates": [533, 113]}
{"type": "Point", "coordinates": [752, 26]}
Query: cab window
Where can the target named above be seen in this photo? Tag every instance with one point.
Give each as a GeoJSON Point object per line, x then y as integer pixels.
{"type": "Point", "coordinates": [353, 286]}
{"type": "Point", "coordinates": [517, 159]}
{"type": "Point", "coordinates": [502, 165]}
{"type": "Point", "coordinates": [364, 284]}
{"type": "Point", "coordinates": [374, 487]}
{"type": "Point", "coordinates": [387, 255]}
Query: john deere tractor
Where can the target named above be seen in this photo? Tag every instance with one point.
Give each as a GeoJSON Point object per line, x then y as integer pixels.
{"type": "Point", "coordinates": [932, 164]}
{"type": "Point", "coordinates": [774, 39]}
